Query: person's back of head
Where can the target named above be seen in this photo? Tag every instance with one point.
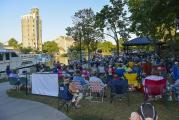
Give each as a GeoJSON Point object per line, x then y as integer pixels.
{"type": "Point", "coordinates": [147, 112]}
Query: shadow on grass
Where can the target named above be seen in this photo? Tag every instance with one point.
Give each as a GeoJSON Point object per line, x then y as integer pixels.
{"type": "Point", "coordinates": [118, 110]}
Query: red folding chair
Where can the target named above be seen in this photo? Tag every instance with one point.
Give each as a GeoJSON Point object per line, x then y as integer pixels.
{"type": "Point", "coordinates": [154, 88]}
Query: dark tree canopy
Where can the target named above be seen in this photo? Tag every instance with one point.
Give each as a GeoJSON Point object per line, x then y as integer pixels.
{"type": "Point", "coordinates": [13, 43]}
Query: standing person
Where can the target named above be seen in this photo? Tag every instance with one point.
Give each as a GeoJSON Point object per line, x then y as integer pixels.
{"type": "Point", "coordinates": [147, 67]}
{"type": "Point", "coordinates": [175, 71]}
{"type": "Point", "coordinates": [8, 70]}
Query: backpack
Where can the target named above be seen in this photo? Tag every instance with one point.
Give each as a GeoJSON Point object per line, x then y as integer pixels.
{"type": "Point", "coordinates": [147, 110]}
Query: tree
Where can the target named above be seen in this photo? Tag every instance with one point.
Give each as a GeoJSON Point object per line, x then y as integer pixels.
{"type": "Point", "coordinates": [73, 52]}
{"type": "Point", "coordinates": [1, 44]}
{"type": "Point", "coordinates": [106, 46]}
{"type": "Point", "coordinates": [26, 50]}
{"type": "Point", "coordinates": [83, 30]}
{"type": "Point", "coordinates": [113, 19]}
{"type": "Point", "coordinates": [154, 18]}
{"type": "Point", "coordinates": [50, 47]}
{"type": "Point", "coordinates": [13, 43]}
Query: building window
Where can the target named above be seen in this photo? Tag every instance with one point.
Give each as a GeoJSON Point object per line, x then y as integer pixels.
{"type": "Point", "coordinates": [7, 56]}
{"type": "Point", "coordinates": [1, 57]}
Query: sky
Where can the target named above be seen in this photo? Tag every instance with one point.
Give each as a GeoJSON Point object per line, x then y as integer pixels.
{"type": "Point", "coordinates": [56, 15]}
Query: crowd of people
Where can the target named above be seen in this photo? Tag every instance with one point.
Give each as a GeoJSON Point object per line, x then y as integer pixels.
{"type": "Point", "coordinates": [113, 68]}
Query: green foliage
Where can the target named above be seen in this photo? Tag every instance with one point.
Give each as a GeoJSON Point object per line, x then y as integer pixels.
{"type": "Point", "coordinates": [154, 18]}
{"type": "Point", "coordinates": [113, 18]}
{"type": "Point", "coordinates": [13, 43]}
{"type": "Point", "coordinates": [74, 52]}
{"type": "Point", "coordinates": [50, 47]}
{"type": "Point", "coordinates": [26, 50]}
{"type": "Point", "coordinates": [1, 44]}
{"type": "Point", "coordinates": [64, 55]}
{"type": "Point", "coordinates": [106, 46]}
{"type": "Point", "coordinates": [83, 30]}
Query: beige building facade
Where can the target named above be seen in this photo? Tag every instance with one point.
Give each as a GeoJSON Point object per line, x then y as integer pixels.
{"type": "Point", "coordinates": [64, 42]}
{"type": "Point", "coordinates": [32, 30]}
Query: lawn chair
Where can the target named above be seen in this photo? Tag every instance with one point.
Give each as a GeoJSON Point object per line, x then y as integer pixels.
{"type": "Point", "coordinates": [14, 83]}
{"type": "Point", "coordinates": [154, 89]}
{"type": "Point", "coordinates": [65, 97]}
{"type": "Point", "coordinates": [119, 88]}
{"type": "Point", "coordinates": [96, 91]}
{"type": "Point", "coordinates": [132, 79]}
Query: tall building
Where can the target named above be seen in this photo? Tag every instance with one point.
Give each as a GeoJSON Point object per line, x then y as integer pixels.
{"type": "Point", "coordinates": [32, 30]}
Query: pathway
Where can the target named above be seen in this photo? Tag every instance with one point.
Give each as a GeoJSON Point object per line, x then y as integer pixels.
{"type": "Point", "coordinates": [18, 109]}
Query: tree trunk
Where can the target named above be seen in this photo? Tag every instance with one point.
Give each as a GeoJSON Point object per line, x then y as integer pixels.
{"type": "Point", "coordinates": [88, 53]}
{"type": "Point", "coordinates": [117, 47]}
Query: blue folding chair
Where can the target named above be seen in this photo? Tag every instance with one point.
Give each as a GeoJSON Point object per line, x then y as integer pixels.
{"type": "Point", "coordinates": [119, 88]}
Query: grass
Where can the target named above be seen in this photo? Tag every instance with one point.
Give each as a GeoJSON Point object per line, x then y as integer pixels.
{"type": "Point", "coordinates": [3, 80]}
{"type": "Point", "coordinates": [118, 110]}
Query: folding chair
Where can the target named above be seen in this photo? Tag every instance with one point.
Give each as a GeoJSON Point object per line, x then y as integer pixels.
{"type": "Point", "coordinates": [154, 88]}
{"type": "Point", "coordinates": [96, 91]}
{"type": "Point", "coordinates": [65, 97]}
{"type": "Point", "coordinates": [119, 88]}
{"type": "Point", "coordinates": [14, 83]}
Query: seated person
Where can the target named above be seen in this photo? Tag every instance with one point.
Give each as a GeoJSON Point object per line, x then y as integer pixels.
{"type": "Point", "coordinates": [175, 71]}
{"type": "Point", "coordinates": [14, 74]}
{"type": "Point", "coordinates": [79, 78]}
{"type": "Point", "coordinates": [120, 71]}
{"type": "Point", "coordinates": [175, 87]}
{"type": "Point", "coordinates": [95, 78]}
{"type": "Point", "coordinates": [118, 85]}
{"type": "Point", "coordinates": [85, 73]}
{"type": "Point", "coordinates": [117, 77]}
{"type": "Point", "coordinates": [101, 69]}
{"type": "Point", "coordinates": [127, 68]}
{"type": "Point", "coordinates": [136, 69]}
{"type": "Point", "coordinates": [145, 112]}
{"type": "Point", "coordinates": [77, 94]}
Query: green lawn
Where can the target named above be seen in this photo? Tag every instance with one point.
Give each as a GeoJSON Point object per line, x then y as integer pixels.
{"type": "Point", "coordinates": [118, 110]}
